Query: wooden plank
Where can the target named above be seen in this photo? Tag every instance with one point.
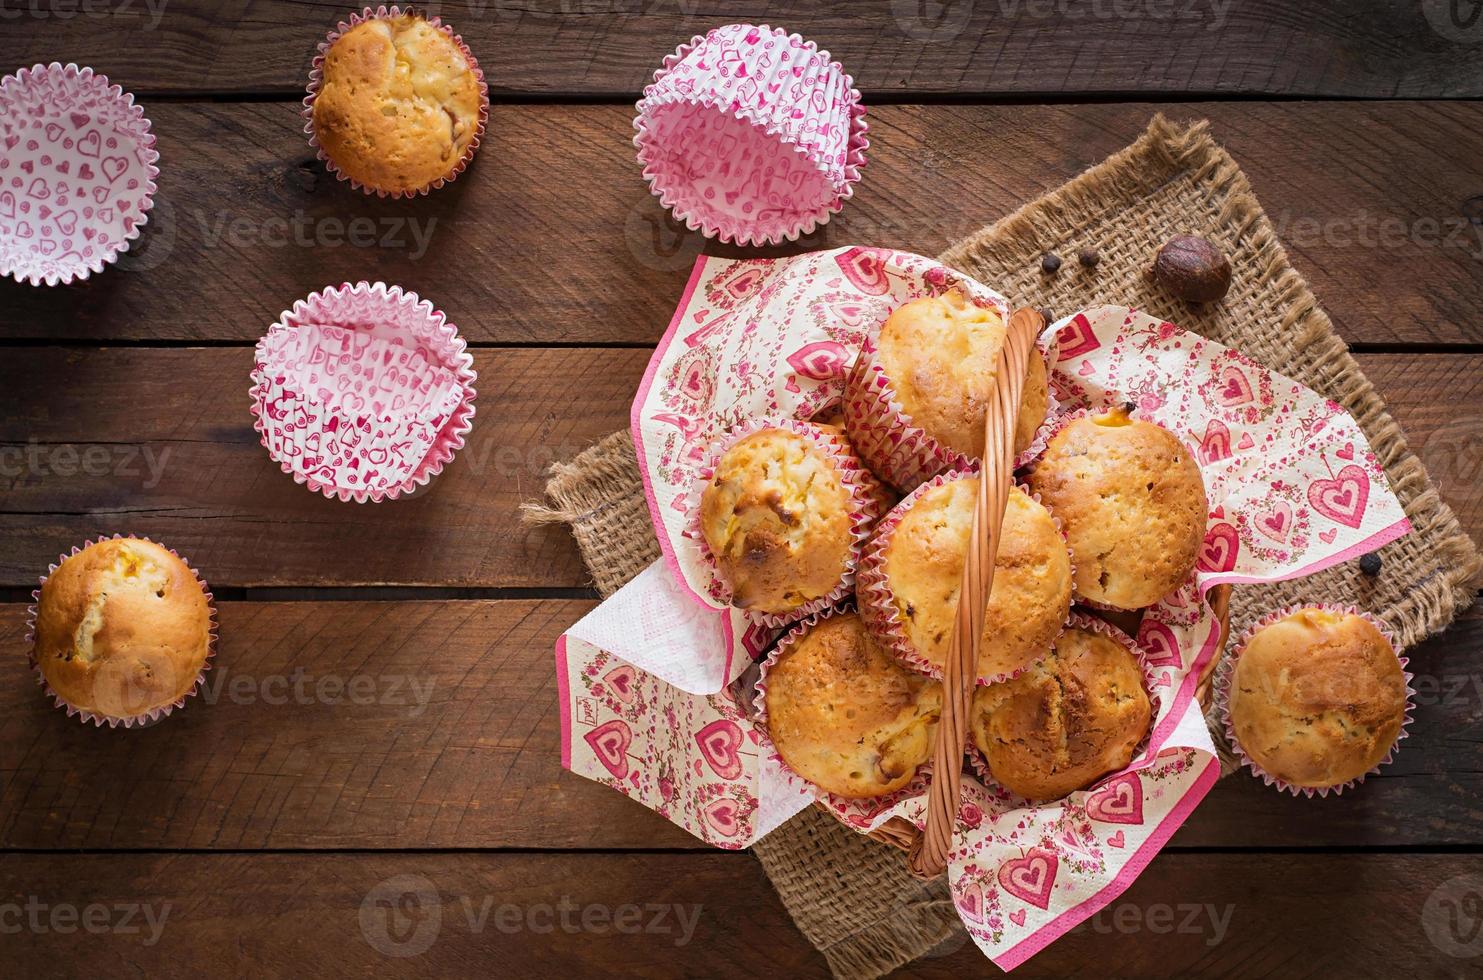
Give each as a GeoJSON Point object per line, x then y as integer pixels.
{"type": "Point", "coordinates": [435, 725]}
{"type": "Point", "coordinates": [1369, 49]}
{"type": "Point", "coordinates": [554, 915]}
{"type": "Point", "coordinates": [159, 442]}
{"type": "Point", "coordinates": [553, 237]}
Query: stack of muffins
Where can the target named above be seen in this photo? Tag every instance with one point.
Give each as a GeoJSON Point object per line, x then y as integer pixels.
{"type": "Point", "coordinates": [798, 522]}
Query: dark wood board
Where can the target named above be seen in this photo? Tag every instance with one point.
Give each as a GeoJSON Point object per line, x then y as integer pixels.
{"type": "Point", "coordinates": [173, 456]}
{"type": "Point", "coordinates": [1373, 200]}
{"type": "Point", "coordinates": [553, 915]}
{"type": "Point", "coordinates": [1372, 49]}
{"type": "Point", "coordinates": [335, 725]}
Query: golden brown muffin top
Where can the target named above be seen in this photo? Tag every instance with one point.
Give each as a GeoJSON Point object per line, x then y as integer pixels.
{"type": "Point", "coordinates": [122, 627]}
{"type": "Point", "coordinates": [845, 715]}
{"type": "Point", "coordinates": [1067, 721]}
{"type": "Point", "coordinates": [1132, 502]}
{"type": "Point", "coordinates": [1318, 698]}
{"type": "Point", "coordinates": [1032, 577]}
{"type": "Point", "coordinates": [941, 355]}
{"type": "Point", "coordinates": [399, 103]}
{"type": "Point", "coordinates": [777, 519]}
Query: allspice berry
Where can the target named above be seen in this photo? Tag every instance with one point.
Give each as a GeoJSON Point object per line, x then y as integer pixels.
{"type": "Point", "coordinates": [1050, 262]}
{"type": "Point", "coordinates": [1193, 269]}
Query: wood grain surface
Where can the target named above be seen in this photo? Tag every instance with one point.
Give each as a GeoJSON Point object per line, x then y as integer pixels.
{"type": "Point", "coordinates": [1373, 200]}
{"type": "Point", "coordinates": [981, 48]}
{"type": "Point", "coordinates": [334, 725]}
{"type": "Point", "coordinates": [711, 914]}
{"type": "Point", "coordinates": [160, 443]}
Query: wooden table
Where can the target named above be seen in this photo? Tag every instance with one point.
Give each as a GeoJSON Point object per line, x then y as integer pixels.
{"type": "Point", "coordinates": [384, 715]}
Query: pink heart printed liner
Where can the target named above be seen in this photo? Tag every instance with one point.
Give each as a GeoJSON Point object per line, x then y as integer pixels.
{"type": "Point", "coordinates": [77, 173]}
{"type": "Point", "coordinates": [751, 134]}
{"type": "Point", "coordinates": [363, 392]}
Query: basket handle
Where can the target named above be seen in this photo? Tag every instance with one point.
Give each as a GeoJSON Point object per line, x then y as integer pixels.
{"type": "Point", "coordinates": [928, 857]}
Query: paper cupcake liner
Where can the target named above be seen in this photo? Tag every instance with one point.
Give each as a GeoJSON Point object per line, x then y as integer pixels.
{"type": "Point", "coordinates": [866, 494]}
{"type": "Point", "coordinates": [154, 714]}
{"type": "Point", "coordinates": [1051, 429]}
{"type": "Point", "coordinates": [316, 80]}
{"type": "Point", "coordinates": [387, 314]}
{"type": "Point", "coordinates": [902, 454]}
{"type": "Point", "coordinates": [877, 599]}
{"type": "Point", "coordinates": [836, 804]}
{"type": "Point", "coordinates": [741, 105]}
{"type": "Point", "coordinates": [1091, 624]}
{"type": "Point", "coordinates": [77, 173]}
{"type": "Point", "coordinates": [1225, 675]}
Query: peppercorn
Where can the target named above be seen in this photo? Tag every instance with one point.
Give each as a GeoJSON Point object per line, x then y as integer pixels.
{"type": "Point", "coordinates": [1050, 262]}
{"type": "Point", "coordinates": [1089, 257]}
{"type": "Point", "coordinates": [1370, 564]}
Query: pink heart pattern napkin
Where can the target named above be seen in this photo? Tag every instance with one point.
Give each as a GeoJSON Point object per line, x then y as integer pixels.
{"type": "Point", "coordinates": [652, 685]}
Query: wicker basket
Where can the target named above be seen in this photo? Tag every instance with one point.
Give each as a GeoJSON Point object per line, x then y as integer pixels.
{"type": "Point", "coordinates": [927, 850]}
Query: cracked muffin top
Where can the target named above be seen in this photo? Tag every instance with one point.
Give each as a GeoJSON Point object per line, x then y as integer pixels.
{"type": "Point", "coordinates": [399, 104]}
{"type": "Point", "coordinates": [777, 518]}
{"type": "Point", "coordinates": [941, 354]}
{"type": "Point", "coordinates": [1317, 698]}
{"type": "Point", "coordinates": [1132, 502]}
{"type": "Point", "coordinates": [1067, 721]}
{"type": "Point", "coordinates": [846, 715]}
{"type": "Point", "coordinates": [922, 557]}
{"type": "Point", "coordinates": [122, 627]}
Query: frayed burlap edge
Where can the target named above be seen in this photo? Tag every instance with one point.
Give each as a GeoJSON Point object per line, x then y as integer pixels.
{"type": "Point", "coordinates": [851, 897]}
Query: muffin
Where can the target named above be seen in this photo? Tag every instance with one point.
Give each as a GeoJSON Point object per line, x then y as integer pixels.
{"type": "Point", "coordinates": [1132, 502]}
{"type": "Point", "coordinates": [1316, 698]}
{"type": "Point", "coordinates": [783, 517]}
{"type": "Point", "coordinates": [917, 399]}
{"type": "Point", "coordinates": [844, 714]}
{"type": "Point", "coordinates": [913, 567]}
{"type": "Point", "coordinates": [1067, 721]}
{"type": "Point", "coordinates": [123, 627]}
{"type": "Point", "coordinates": [400, 105]}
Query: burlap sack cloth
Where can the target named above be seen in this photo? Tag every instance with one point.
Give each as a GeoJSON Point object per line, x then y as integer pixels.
{"type": "Point", "coordinates": [853, 898]}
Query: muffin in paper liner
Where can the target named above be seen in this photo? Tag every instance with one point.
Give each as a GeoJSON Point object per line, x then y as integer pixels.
{"type": "Point", "coordinates": [154, 714]}
{"type": "Point", "coordinates": [900, 452]}
{"type": "Point", "coordinates": [355, 444]}
{"type": "Point", "coordinates": [316, 81]}
{"type": "Point", "coordinates": [860, 813]}
{"type": "Point", "coordinates": [1091, 624]}
{"type": "Point", "coordinates": [751, 134]}
{"type": "Point", "coordinates": [1052, 427]}
{"type": "Point", "coordinates": [869, 499]}
{"type": "Point", "coordinates": [1225, 676]}
{"type": "Point", "coordinates": [877, 600]}
{"type": "Point", "coordinates": [77, 173]}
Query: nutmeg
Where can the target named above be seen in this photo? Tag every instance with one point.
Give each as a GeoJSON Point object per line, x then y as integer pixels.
{"type": "Point", "coordinates": [1193, 269]}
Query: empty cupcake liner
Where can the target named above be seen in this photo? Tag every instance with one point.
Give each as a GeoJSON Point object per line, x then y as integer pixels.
{"type": "Point", "coordinates": [363, 392]}
{"type": "Point", "coordinates": [902, 454]}
{"type": "Point", "coordinates": [1050, 431]}
{"type": "Point", "coordinates": [316, 80]}
{"type": "Point", "coordinates": [154, 714]}
{"type": "Point", "coordinates": [1091, 624]}
{"type": "Point", "coordinates": [1225, 675]}
{"type": "Point", "coordinates": [751, 134]}
{"type": "Point", "coordinates": [878, 601]}
{"type": "Point", "coordinates": [77, 173]}
{"type": "Point", "coordinates": [867, 494]}
{"type": "Point", "coordinates": [838, 805]}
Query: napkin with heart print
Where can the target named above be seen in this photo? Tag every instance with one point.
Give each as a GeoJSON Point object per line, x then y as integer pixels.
{"type": "Point", "coordinates": [653, 683]}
